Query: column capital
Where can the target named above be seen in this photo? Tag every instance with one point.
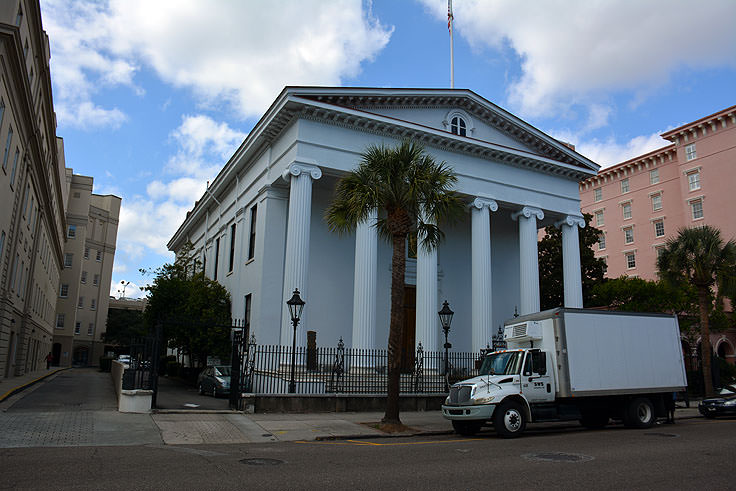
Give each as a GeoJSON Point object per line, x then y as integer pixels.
{"type": "Point", "coordinates": [297, 168]}
{"type": "Point", "coordinates": [571, 221]}
{"type": "Point", "coordinates": [527, 212]}
{"type": "Point", "coordinates": [479, 203]}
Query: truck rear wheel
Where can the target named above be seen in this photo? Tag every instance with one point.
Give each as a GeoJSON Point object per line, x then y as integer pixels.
{"type": "Point", "coordinates": [466, 428]}
{"type": "Point", "coordinates": [509, 419]}
{"type": "Point", "coordinates": [594, 420]}
{"type": "Point", "coordinates": [639, 413]}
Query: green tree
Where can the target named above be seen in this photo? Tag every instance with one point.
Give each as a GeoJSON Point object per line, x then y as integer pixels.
{"type": "Point", "coordinates": [413, 194]}
{"type": "Point", "coordinates": [638, 295]}
{"type": "Point", "coordinates": [193, 310]}
{"type": "Point", "coordinates": [123, 326]}
{"type": "Point", "coordinates": [592, 270]}
{"type": "Point", "coordinates": [698, 256]}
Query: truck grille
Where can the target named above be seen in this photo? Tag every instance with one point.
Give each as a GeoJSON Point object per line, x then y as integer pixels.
{"type": "Point", "coordinates": [460, 394]}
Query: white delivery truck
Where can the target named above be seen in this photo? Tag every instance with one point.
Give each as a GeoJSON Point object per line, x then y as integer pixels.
{"type": "Point", "coordinates": [573, 364]}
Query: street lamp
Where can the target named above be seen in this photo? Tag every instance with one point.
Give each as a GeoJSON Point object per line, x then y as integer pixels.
{"type": "Point", "coordinates": [125, 285]}
{"type": "Point", "coordinates": [296, 305]}
{"type": "Point", "coordinates": [446, 319]}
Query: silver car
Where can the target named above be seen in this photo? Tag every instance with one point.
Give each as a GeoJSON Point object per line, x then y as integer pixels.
{"type": "Point", "coordinates": [214, 381]}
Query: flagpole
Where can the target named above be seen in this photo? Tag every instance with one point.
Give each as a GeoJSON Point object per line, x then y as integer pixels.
{"type": "Point", "coordinates": [452, 51]}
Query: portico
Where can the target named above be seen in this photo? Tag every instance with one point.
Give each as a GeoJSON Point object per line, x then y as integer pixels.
{"type": "Point", "coordinates": [514, 179]}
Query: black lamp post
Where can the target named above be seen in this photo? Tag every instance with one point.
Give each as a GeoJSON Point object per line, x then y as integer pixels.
{"type": "Point", "coordinates": [296, 305]}
{"type": "Point", "coordinates": [446, 319]}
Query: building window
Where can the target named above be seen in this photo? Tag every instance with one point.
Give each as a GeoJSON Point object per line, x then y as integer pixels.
{"type": "Point", "coordinates": [660, 251]}
{"type": "Point", "coordinates": [84, 277]}
{"type": "Point", "coordinates": [602, 242]}
{"type": "Point", "coordinates": [246, 316]}
{"type": "Point", "coordinates": [15, 167]}
{"type": "Point", "coordinates": [25, 50]}
{"type": "Point", "coordinates": [64, 291]}
{"type": "Point", "coordinates": [77, 327]}
{"type": "Point", "coordinates": [659, 228]}
{"type": "Point", "coordinates": [93, 304]}
{"type": "Point", "coordinates": [14, 271]}
{"type": "Point", "coordinates": [86, 252]}
{"type": "Point", "coordinates": [25, 200]}
{"type": "Point", "coordinates": [71, 232]}
{"type": "Point", "coordinates": [96, 280]}
{"type": "Point", "coordinates": [599, 219]}
{"type": "Point", "coordinates": [654, 176]}
{"type": "Point", "coordinates": [627, 210]}
{"type": "Point", "coordinates": [458, 126]}
{"type": "Point", "coordinates": [2, 115]}
{"type": "Point", "coordinates": [80, 304]}
{"type": "Point", "coordinates": [90, 329]}
{"type": "Point", "coordinates": [252, 239]}
{"type": "Point", "coordinates": [690, 152]}
{"type": "Point", "coordinates": [696, 206]}
{"type": "Point", "coordinates": [68, 260]}
{"type": "Point", "coordinates": [628, 235]}
{"type": "Point", "coordinates": [8, 143]}
{"type": "Point", "coordinates": [217, 257]}
{"type": "Point", "coordinates": [630, 260]}
{"type": "Point", "coordinates": [98, 256]}
{"type": "Point", "coordinates": [2, 243]}
{"type": "Point", "coordinates": [231, 260]}
{"type": "Point", "coordinates": [693, 180]}
{"type": "Point", "coordinates": [60, 321]}
{"type": "Point", "coordinates": [656, 202]}
{"type": "Point", "coordinates": [625, 185]}
{"type": "Point", "coordinates": [19, 17]}
{"type": "Point", "coordinates": [77, 195]}
{"type": "Point", "coordinates": [597, 194]}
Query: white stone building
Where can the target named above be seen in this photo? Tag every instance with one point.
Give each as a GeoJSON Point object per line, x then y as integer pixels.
{"type": "Point", "coordinates": [260, 231]}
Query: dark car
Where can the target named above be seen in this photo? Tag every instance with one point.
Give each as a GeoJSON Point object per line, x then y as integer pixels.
{"type": "Point", "coordinates": [214, 381]}
{"type": "Point", "coordinates": [724, 404]}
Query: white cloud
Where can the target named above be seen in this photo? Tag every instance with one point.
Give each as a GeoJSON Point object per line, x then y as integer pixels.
{"type": "Point", "coordinates": [610, 152]}
{"type": "Point", "coordinates": [571, 52]}
{"type": "Point", "coordinates": [238, 53]}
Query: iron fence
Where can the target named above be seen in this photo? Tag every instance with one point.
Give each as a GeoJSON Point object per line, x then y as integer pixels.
{"type": "Point", "coordinates": [266, 369]}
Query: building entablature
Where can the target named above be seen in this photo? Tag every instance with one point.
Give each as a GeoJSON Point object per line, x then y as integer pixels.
{"type": "Point", "coordinates": [644, 162]}
{"type": "Point", "coordinates": [702, 127]}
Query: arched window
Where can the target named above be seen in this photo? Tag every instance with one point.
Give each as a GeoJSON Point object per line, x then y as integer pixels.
{"type": "Point", "coordinates": [458, 126]}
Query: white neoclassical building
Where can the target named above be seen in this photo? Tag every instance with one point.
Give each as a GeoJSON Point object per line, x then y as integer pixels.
{"type": "Point", "coordinates": [260, 228]}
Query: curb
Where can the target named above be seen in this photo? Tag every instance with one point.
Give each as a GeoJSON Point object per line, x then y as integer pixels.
{"type": "Point", "coordinates": [195, 411]}
{"type": "Point", "coordinates": [20, 388]}
{"type": "Point", "coordinates": [364, 436]}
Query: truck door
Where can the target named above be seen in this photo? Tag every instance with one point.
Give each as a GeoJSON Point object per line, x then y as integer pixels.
{"type": "Point", "coordinates": [536, 380]}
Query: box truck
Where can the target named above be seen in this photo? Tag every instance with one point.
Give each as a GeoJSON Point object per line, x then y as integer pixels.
{"type": "Point", "coordinates": [573, 364]}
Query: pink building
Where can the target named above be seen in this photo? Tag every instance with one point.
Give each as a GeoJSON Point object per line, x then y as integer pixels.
{"type": "Point", "coordinates": [640, 203]}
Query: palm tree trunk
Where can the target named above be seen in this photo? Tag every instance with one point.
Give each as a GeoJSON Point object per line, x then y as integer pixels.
{"type": "Point", "coordinates": [705, 349]}
{"type": "Point", "coordinates": [398, 267]}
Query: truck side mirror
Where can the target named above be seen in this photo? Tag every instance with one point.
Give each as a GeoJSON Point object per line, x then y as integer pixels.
{"type": "Point", "coordinates": [540, 362]}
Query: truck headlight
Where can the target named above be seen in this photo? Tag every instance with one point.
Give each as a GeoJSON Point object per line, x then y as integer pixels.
{"type": "Point", "coordinates": [447, 400]}
{"type": "Point", "coordinates": [731, 402]}
{"type": "Point", "coordinates": [483, 400]}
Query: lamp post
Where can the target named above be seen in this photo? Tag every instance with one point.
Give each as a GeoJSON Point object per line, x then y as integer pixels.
{"type": "Point", "coordinates": [125, 285]}
{"type": "Point", "coordinates": [446, 319]}
{"type": "Point", "coordinates": [296, 305]}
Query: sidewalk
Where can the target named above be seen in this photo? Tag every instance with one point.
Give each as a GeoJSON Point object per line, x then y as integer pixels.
{"type": "Point", "coordinates": [13, 385]}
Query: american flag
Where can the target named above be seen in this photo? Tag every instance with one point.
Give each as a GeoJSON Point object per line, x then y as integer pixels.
{"type": "Point", "coordinates": [449, 15]}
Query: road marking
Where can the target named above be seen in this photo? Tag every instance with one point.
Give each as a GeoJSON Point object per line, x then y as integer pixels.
{"type": "Point", "coordinates": [374, 444]}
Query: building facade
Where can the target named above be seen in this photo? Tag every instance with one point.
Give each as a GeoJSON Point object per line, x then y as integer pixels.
{"type": "Point", "coordinates": [640, 203]}
{"type": "Point", "coordinates": [84, 289]}
{"type": "Point", "coordinates": [32, 218]}
{"type": "Point", "coordinates": [259, 229]}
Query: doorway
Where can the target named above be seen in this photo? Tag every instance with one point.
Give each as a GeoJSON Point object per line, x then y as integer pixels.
{"type": "Point", "coordinates": [408, 337]}
{"type": "Point", "coordinates": [56, 354]}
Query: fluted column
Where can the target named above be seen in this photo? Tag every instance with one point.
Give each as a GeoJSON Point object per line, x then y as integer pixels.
{"type": "Point", "coordinates": [528, 258]}
{"type": "Point", "coordinates": [427, 321]}
{"type": "Point", "coordinates": [364, 290]}
{"type": "Point", "coordinates": [481, 276]}
{"type": "Point", "coordinates": [296, 263]}
{"type": "Point", "coordinates": [573, 287]}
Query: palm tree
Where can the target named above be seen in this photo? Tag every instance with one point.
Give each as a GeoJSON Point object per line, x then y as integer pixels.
{"type": "Point", "coordinates": [699, 256]}
{"type": "Point", "coordinates": [412, 194]}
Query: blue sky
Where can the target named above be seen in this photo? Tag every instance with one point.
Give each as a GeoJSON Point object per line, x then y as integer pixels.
{"type": "Point", "coordinates": [152, 97]}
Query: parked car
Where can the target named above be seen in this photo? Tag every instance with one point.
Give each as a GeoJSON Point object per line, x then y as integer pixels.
{"type": "Point", "coordinates": [214, 381]}
{"type": "Point", "coordinates": [724, 404]}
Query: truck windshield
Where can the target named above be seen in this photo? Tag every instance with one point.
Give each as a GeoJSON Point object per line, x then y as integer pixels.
{"type": "Point", "coordinates": [505, 363]}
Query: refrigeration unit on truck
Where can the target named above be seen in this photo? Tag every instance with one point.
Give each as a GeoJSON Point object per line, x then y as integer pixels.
{"type": "Point", "coordinates": [573, 364]}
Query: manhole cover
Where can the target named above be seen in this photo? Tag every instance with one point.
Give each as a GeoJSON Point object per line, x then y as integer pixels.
{"type": "Point", "coordinates": [664, 435]}
{"type": "Point", "coordinates": [557, 457]}
{"type": "Point", "coordinates": [261, 461]}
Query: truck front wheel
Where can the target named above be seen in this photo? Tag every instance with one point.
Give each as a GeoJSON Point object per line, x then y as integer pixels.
{"type": "Point", "coordinates": [639, 413]}
{"type": "Point", "coordinates": [466, 428]}
{"type": "Point", "coordinates": [509, 419]}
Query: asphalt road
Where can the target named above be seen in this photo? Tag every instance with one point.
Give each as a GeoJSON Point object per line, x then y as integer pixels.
{"type": "Point", "coordinates": [175, 394]}
{"type": "Point", "coordinates": [80, 389]}
{"type": "Point", "coordinates": [693, 454]}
